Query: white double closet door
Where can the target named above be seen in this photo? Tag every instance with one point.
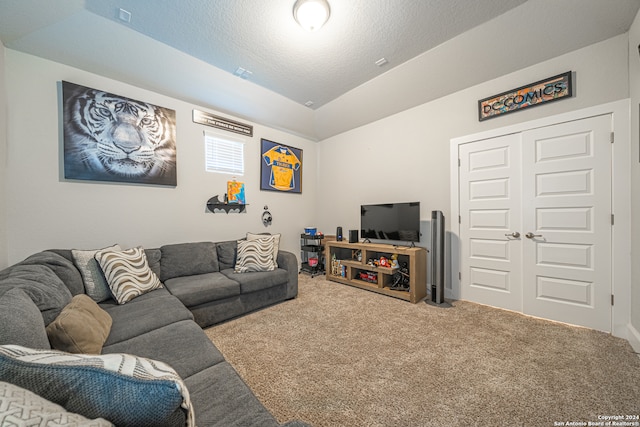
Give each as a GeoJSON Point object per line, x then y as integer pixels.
{"type": "Point", "coordinates": [535, 222]}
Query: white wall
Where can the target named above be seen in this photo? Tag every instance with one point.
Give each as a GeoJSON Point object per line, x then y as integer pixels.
{"type": "Point", "coordinates": [45, 211]}
{"type": "Point", "coordinates": [461, 61]}
{"type": "Point", "coordinates": [405, 157]}
{"type": "Point", "coordinates": [634, 89]}
{"type": "Point", "coordinates": [167, 71]}
{"type": "Point", "coordinates": [3, 161]}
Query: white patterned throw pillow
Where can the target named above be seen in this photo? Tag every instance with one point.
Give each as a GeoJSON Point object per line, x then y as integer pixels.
{"type": "Point", "coordinates": [273, 239]}
{"type": "Point", "coordinates": [255, 255]}
{"type": "Point", "coordinates": [20, 407]}
{"type": "Point", "coordinates": [127, 273]}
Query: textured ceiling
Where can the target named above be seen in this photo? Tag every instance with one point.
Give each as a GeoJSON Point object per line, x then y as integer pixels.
{"type": "Point", "coordinates": [430, 46]}
{"type": "Point", "coordinates": [262, 37]}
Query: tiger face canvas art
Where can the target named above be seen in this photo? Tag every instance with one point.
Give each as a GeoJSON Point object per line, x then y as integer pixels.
{"type": "Point", "coordinates": [109, 137]}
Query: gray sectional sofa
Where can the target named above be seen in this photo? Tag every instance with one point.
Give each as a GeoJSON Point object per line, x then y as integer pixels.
{"type": "Point", "coordinates": [200, 288]}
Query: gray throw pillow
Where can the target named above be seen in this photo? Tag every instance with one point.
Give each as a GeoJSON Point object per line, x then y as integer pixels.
{"type": "Point", "coordinates": [227, 254]}
{"type": "Point", "coordinates": [20, 321]}
{"type": "Point", "coordinates": [95, 284]}
{"type": "Point", "coordinates": [153, 258]}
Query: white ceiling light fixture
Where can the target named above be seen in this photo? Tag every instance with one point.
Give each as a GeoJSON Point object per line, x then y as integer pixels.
{"type": "Point", "coordinates": [311, 14]}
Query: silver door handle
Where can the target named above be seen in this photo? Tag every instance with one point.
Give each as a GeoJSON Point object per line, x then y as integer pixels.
{"type": "Point", "coordinates": [530, 235]}
{"type": "Point", "coordinates": [515, 234]}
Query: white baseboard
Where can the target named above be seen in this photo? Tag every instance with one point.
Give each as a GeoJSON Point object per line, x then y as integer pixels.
{"type": "Point", "coordinates": [634, 338]}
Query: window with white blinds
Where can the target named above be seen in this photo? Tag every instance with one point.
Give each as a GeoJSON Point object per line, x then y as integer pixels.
{"type": "Point", "coordinates": [223, 155]}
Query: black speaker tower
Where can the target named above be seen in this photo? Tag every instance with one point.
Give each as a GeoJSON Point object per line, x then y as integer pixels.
{"type": "Point", "coordinates": [437, 257]}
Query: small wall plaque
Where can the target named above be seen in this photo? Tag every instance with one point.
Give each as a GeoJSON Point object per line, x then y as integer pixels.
{"type": "Point", "coordinates": [221, 123]}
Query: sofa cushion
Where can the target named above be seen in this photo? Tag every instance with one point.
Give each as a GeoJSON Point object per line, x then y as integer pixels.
{"type": "Point", "coordinates": [257, 280]}
{"type": "Point", "coordinates": [271, 239]}
{"type": "Point", "coordinates": [153, 258]}
{"type": "Point", "coordinates": [127, 273]}
{"type": "Point", "coordinates": [122, 388]}
{"type": "Point", "coordinates": [20, 407]}
{"type": "Point", "coordinates": [213, 312]}
{"type": "Point", "coordinates": [203, 288]}
{"type": "Point", "coordinates": [227, 253]}
{"type": "Point", "coordinates": [255, 255]}
{"type": "Point", "coordinates": [182, 345]}
{"type": "Point", "coordinates": [94, 281]}
{"type": "Point", "coordinates": [81, 327]}
{"type": "Point", "coordinates": [186, 259]}
{"type": "Point", "coordinates": [63, 267]}
{"type": "Point", "coordinates": [42, 285]}
{"type": "Point", "coordinates": [221, 398]}
{"type": "Point", "coordinates": [143, 314]}
{"type": "Point", "coordinates": [20, 321]}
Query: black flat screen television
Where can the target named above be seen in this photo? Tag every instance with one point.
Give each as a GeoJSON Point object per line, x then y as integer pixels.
{"type": "Point", "coordinates": [391, 221]}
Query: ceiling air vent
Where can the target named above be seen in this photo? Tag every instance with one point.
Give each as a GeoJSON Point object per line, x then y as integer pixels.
{"type": "Point", "coordinates": [243, 73]}
{"type": "Point", "coordinates": [124, 15]}
{"type": "Point", "coordinates": [382, 61]}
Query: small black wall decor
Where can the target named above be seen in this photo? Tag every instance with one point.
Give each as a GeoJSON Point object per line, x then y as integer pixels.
{"type": "Point", "coordinates": [547, 90]}
{"type": "Point", "coordinates": [280, 167]}
{"type": "Point", "coordinates": [110, 137]}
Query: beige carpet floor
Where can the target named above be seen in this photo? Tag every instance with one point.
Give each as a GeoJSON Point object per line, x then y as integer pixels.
{"type": "Point", "coordinates": [341, 356]}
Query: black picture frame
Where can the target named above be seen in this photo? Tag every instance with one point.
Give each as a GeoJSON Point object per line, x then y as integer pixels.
{"type": "Point", "coordinates": [109, 137]}
{"type": "Point", "coordinates": [530, 95]}
{"type": "Point", "coordinates": [280, 167]}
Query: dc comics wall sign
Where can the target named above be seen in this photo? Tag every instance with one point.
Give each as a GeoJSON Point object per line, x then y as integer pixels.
{"type": "Point", "coordinates": [543, 91]}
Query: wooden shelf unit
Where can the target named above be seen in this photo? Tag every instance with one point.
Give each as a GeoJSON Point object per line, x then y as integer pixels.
{"type": "Point", "coordinates": [351, 267]}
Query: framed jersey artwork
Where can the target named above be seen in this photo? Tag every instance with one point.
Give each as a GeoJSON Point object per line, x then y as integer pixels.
{"type": "Point", "coordinates": [280, 167]}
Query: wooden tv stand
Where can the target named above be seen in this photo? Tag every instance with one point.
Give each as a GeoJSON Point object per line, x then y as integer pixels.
{"type": "Point", "coordinates": [344, 266]}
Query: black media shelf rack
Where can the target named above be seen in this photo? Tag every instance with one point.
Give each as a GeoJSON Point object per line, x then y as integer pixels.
{"type": "Point", "coordinates": [312, 248]}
